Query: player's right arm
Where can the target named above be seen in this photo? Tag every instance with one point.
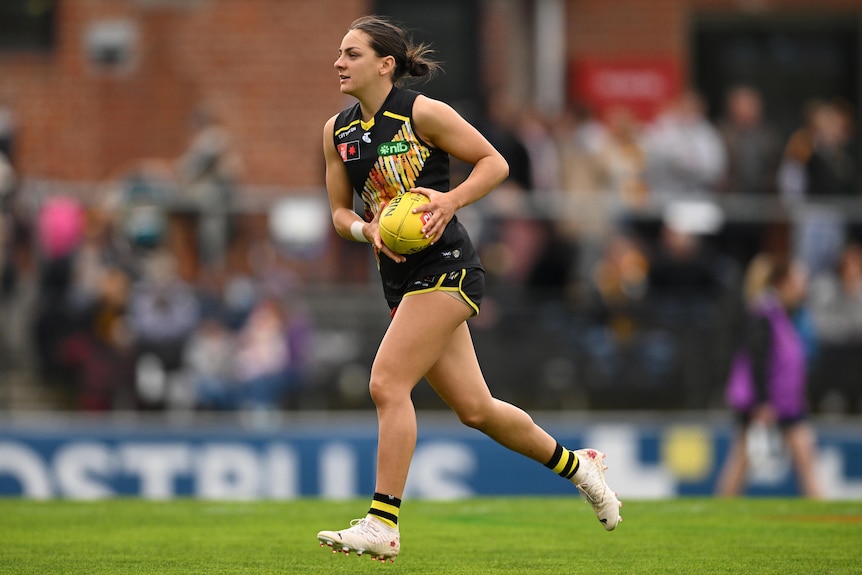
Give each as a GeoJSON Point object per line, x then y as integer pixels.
{"type": "Point", "coordinates": [340, 193]}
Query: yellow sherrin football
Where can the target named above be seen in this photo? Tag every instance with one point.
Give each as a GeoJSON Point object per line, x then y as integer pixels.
{"type": "Point", "coordinates": [400, 228]}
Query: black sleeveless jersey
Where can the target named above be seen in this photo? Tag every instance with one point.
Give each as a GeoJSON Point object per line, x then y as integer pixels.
{"type": "Point", "coordinates": [385, 158]}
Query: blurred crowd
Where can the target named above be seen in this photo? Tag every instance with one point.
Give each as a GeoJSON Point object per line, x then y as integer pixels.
{"type": "Point", "coordinates": [632, 227]}
{"type": "Point", "coordinates": [607, 227]}
{"type": "Point", "coordinates": [99, 298]}
{"type": "Point", "coordinates": [680, 151]}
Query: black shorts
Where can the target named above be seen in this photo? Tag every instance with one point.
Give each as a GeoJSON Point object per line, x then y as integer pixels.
{"type": "Point", "coordinates": [744, 420]}
{"type": "Point", "coordinates": [467, 285]}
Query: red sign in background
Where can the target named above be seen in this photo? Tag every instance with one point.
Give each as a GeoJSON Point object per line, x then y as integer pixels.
{"type": "Point", "coordinates": [643, 86]}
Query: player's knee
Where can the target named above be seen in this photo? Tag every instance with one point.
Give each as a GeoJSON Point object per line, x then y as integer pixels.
{"type": "Point", "coordinates": [378, 391]}
{"type": "Point", "coordinates": [475, 416]}
{"type": "Point", "coordinates": [386, 391]}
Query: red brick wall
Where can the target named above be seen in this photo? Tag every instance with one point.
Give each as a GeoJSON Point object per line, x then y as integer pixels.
{"type": "Point", "coordinates": [625, 28]}
{"type": "Point", "coordinates": [266, 65]}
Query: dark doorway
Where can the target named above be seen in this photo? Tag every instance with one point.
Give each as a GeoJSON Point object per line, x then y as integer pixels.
{"type": "Point", "coordinates": [452, 29]}
{"type": "Point", "coordinates": [26, 25]}
{"type": "Point", "coordinates": [790, 60]}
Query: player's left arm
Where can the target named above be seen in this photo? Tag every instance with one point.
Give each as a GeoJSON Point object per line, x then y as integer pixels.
{"type": "Point", "coordinates": [439, 125]}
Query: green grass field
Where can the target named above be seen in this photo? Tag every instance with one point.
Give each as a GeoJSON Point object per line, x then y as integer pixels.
{"type": "Point", "coordinates": [490, 535]}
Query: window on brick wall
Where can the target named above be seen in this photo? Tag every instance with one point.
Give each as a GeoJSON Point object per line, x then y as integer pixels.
{"type": "Point", "coordinates": [27, 24]}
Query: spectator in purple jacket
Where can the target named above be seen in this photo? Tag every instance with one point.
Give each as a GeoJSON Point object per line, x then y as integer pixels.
{"type": "Point", "coordinates": [767, 384]}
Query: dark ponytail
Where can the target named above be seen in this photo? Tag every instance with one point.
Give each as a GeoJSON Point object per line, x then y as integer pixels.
{"type": "Point", "coordinates": [387, 39]}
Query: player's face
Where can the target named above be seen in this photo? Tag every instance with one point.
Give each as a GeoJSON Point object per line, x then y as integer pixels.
{"type": "Point", "coordinates": [357, 64]}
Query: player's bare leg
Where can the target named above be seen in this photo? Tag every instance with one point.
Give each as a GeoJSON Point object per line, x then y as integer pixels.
{"type": "Point", "coordinates": [458, 380]}
{"type": "Point", "coordinates": [415, 339]}
{"type": "Point", "coordinates": [418, 335]}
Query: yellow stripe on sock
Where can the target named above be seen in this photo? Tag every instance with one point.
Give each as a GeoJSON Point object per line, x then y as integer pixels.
{"type": "Point", "coordinates": [567, 462]}
{"type": "Point", "coordinates": [563, 462]}
{"type": "Point", "coordinates": [380, 506]}
{"type": "Point", "coordinates": [386, 511]}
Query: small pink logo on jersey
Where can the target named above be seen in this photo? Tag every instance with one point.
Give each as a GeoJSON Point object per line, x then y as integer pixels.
{"type": "Point", "coordinates": [349, 150]}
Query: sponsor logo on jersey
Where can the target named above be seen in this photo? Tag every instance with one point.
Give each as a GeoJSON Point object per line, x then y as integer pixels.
{"type": "Point", "coordinates": [349, 150]}
{"type": "Point", "coordinates": [345, 133]}
{"type": "Point", "coordinates": [392, 148]}
{"type": "Point", "coordinates": [366, 137]}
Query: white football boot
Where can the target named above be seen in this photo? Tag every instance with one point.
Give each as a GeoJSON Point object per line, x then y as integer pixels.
{"type": "Point", "coordinates": [590, 481]}
{"type": "Point", "coordinates": [366, 535]}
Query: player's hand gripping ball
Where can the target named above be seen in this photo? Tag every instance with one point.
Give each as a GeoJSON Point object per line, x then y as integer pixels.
{"type": "Point", "coordinates": [401, 229]}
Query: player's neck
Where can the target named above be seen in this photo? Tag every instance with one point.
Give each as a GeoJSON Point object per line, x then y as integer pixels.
{"type": "Point", "coordinates": [372, 100]}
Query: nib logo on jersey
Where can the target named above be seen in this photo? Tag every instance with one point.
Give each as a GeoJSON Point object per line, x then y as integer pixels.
{"type": "Point", "coordinates": [393, 148]}
{"type": "Point", "coordinates": [349, 150]}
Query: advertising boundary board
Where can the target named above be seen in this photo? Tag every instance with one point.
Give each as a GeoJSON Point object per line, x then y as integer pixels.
{"type": "Point", "coordinates": [333, 456]}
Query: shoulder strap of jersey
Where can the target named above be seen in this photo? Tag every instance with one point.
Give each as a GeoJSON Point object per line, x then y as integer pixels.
{"type": "Point", "coordinates": [344, 120]}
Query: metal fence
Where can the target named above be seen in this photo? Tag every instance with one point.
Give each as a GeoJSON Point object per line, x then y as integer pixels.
{"type": "Point", "coordinates": [548, 343]}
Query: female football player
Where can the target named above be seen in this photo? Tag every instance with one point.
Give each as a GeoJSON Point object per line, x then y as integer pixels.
{"type": "Point", "coordinates": [431, 293]}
